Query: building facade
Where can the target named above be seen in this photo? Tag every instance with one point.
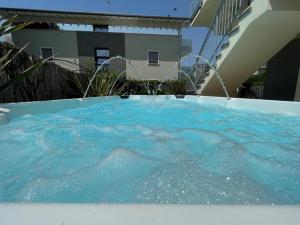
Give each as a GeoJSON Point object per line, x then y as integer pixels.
{"type": "Point", "coordinates": [152, 57]}
{"type": "Point", "coordinates": [149, 56]}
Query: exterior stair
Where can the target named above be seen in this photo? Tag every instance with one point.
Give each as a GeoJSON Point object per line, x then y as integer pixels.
{"type": "Point", "coordinates": [252, 35]}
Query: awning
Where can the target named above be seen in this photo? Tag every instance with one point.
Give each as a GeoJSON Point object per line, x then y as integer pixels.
{"type": "Point", "coordinates": [95, 18]}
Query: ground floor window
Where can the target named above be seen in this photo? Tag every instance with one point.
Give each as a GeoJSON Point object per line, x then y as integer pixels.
{"type": "Point", "coordinates": [46, 52]}
{"type": "Point", "coordinates": [153, 57]}
{"type": "Point", "coordinates": [101, 56]}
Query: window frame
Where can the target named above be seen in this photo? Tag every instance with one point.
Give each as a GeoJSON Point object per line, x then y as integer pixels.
{"type": "Point", "coordinates": [101, 57]}
{"type": "Point", "coordinates": [41, 52]}
{"type": "Point", "coordinates": [158, 58]}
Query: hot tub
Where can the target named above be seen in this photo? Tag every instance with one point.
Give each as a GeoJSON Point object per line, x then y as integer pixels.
{"type": "Point", "coordinates": [157, 156]}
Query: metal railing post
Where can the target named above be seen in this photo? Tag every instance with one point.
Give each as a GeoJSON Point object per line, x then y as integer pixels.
{"type": "Point", "coordinates": [222, 22]}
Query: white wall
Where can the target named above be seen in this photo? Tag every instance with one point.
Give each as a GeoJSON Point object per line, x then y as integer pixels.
{"type": "Point", "coordinates": [64, 44]}
{"type": "Point", "coordinates": [136, 50]}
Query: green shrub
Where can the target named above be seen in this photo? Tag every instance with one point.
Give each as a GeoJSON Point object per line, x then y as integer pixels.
{"type": "Point", "coordinates": [106, 80]}
{"type": "Point", "coordinates": [104, 84]}
{"type": "Point", "coordinates": [175, 87]}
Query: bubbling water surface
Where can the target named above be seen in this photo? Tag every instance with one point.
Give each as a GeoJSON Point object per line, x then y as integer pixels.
{"type": "Point", "coordinates": [151, 151]}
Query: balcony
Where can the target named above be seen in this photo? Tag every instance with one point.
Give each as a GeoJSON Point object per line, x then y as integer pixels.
{"type": "Point", "coordinates": [204, 11]}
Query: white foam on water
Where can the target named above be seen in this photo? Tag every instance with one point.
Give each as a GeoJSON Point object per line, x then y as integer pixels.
{"type": "Point", "coordinates": [4, 110]}
{"type": "Point", "coordinates": [150, 151]}
{"type": "Point", "coordinates": [187, 183]}
{"type": "Point", "coordinates": [117, 166]}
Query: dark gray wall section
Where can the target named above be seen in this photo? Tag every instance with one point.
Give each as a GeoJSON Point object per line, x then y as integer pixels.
{"type": "Point", "coordinates": [282, 73]}
{"type": "Point", "coordinates": [88, 41]}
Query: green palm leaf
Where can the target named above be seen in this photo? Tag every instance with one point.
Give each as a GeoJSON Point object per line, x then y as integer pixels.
{"type": "Point", "coordinates": [6, 28]}
{"type": "Point", "coordinates": [2, 67]}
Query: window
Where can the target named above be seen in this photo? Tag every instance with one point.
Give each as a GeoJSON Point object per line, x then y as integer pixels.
{"type": "Point", "coordinates": [101, 55]}
{"type": "Point", "coordinates": [46, 53]}
{"type": "Point", "coordinates": [153, 57]}
{"type": "Point", "coordinates": [100, 28]}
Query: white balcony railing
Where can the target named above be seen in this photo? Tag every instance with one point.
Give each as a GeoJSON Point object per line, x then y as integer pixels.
{"type": "Point", "coordinates": [223, 23]}
{"type": "Point", "coordinates": [195, 6]}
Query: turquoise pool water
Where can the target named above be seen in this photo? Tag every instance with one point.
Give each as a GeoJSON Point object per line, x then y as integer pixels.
{"type": "Point", "coordinates": [149, 151]}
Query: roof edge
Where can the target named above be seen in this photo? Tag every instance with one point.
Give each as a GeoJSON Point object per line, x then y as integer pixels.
{"type": "Point", "coordinates": [95, 14]}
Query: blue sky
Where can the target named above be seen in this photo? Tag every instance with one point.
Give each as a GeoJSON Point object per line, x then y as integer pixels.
{"type": "Point", "coordinates": [139, 7]}
{"type": "Point", "coordinates": [144, 7]}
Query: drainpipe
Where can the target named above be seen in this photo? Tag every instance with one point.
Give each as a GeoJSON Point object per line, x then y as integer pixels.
{"type": "Point", "coordinates": [179, 52]}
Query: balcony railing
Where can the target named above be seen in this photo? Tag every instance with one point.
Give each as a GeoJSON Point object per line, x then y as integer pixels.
{"type": "Point", "coordinates": [224, 21]}
{"type": "Point", "coordinates": [195, 6]}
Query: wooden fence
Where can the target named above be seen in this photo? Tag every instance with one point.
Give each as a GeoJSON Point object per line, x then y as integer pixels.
{"type": "Point", "coordinates": [48, 83]}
